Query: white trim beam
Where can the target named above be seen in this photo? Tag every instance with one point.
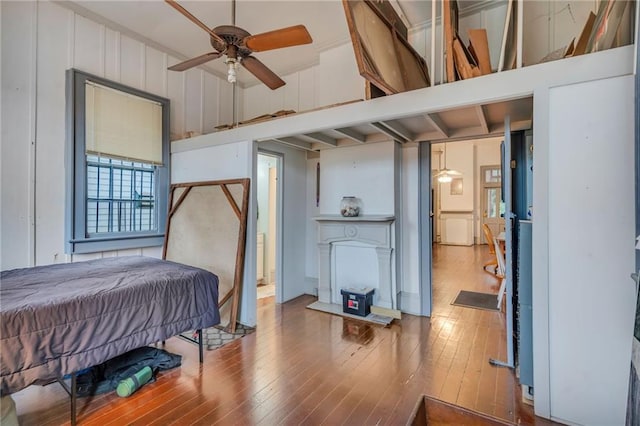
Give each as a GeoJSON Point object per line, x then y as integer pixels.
{"type": "Point", "coordinates": [321, 138]}
{"type": "Point", "coordinates": [387, 131]}
{"type": "Point", "coordinates": [294, 142]}
{"type": "Point", "coordinates": [436, 122]}
{"type": "Point", "coordinates": [474, 132]}
{"type": "Point", "coordinates": [352, 134]}
{"type": "Point", "coordinates": [482, 118]}
{"type": "Point", "coordinates": [401, 130]}
{"type": "Point", "coordinates": [515, 125]}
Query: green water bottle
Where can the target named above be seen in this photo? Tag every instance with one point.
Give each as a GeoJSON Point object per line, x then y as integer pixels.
{"type": "Point", "coordinates": [131, 384]}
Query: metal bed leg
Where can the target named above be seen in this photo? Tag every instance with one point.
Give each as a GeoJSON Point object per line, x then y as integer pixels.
{"type": "Point", "coordinates": [193, 339]}
{"type": "Point", "coordinates": [73, 399]}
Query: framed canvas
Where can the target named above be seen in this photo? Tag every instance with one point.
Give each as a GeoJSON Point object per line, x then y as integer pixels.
{"type": "Point", "coordinates": [207, 228]}
{"type": "Point", "coordinates": [384, 57]}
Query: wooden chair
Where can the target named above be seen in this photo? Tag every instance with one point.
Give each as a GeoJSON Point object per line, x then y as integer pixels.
{"type": "Point", "coordinates": [500, 272]}
{"type": "Point", "coordinates": [488, 235]}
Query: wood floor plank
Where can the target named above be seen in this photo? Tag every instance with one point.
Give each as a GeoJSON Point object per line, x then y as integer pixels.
{"type": "Point", "coordinates": [302, 366]}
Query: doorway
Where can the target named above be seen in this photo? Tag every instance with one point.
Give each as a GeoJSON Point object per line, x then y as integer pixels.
{"type": "Point", "coordinates": [462, 204]}
{"type": "Point", "coordinates": [492, 207]}
{"type": "Point", "coordinates": [268, 224]}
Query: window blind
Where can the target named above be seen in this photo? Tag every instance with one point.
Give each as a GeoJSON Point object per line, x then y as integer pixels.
{"type": "Point", "coordinates": [121, 125]}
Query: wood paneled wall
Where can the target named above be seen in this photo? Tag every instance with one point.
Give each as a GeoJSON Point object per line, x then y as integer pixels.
{"type": "Point", "coordinates": [40, 40]}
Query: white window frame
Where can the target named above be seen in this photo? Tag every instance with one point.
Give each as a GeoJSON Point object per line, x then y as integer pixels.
{"type": "Point", "coordinates": [78, 240]}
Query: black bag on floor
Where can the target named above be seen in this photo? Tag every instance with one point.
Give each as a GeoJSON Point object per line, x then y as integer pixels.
{"type": "Point", "coordinates": [106, 376]}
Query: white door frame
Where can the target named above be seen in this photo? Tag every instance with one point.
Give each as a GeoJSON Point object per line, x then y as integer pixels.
{"type": "Point", "coordinates": [425, 186]}
{"type": "Point", "coordinates": [508, 225]}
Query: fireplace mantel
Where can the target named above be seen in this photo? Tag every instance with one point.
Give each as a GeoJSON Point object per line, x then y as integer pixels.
{"type": "Point", "coordinates": [377, 232]}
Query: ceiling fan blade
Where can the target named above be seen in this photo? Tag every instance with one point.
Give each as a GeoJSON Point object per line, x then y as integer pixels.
{"type": "Point", "coordinates": [195, 20]}
{"type": "Point", "coordinates": [264, 74]}
{"type": "Point", "coordinates": [194, 62]}
{"type": "Point", "coordinates": [284, 37]}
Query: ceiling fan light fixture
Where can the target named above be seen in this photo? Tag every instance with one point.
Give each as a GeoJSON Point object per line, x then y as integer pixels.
{"type": "Point", "coordinates": [238, 45]}
{"type": "Point", "coordinates": [232, 67]}
{"type": "Point", "coordinates": [446, 175]}
{"type": "Point", "coordinates": [445, 178]}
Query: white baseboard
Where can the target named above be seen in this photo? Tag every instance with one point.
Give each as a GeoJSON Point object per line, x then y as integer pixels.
{"type": "Point", "coordinates": [311, 286]}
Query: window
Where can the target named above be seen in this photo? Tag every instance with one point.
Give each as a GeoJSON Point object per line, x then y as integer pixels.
{"type": "Point", "coordinates": [120, 196]}
{"type": "Point", "coordinates": [118, 153]}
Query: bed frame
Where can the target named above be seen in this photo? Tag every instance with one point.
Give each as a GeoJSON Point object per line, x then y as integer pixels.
{"type": "Point", "coordinates": [59, 319]}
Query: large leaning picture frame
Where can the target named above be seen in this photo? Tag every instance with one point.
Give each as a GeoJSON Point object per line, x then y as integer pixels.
{"type": "Point", "coordinates": [207, 228]}
{"type": "Point", "coordinates": [384, 57]}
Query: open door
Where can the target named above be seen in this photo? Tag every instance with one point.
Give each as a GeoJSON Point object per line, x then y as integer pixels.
{"type": "Point", "coordinates": [506, 288]}
{"type": "Point", "coordinates": [426, 227]}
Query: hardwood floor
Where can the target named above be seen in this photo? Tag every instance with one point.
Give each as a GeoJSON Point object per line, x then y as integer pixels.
{"type": "Point", "coordinates": [307, 367]}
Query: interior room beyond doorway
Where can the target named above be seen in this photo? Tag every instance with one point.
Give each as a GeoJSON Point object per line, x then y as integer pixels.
{"type": "Point", "coordinates": [267, 194]}
{"type": "Point", "coordinates": [466, 195]}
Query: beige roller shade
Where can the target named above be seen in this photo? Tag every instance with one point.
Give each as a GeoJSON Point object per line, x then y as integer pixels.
{"type": "Point", "coordinates": [121, 125]}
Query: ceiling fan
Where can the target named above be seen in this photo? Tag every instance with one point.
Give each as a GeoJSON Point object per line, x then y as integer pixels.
{"type": "Point", "coordinates": [238, 45]}
{"type": "Point", "coordinates": [446, 175]}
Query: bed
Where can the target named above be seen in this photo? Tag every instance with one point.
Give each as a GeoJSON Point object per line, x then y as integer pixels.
{"type": "Point", "coordinates": [59, 319]}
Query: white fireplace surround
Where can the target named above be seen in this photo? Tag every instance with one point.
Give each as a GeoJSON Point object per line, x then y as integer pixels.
{"type": "Point", "coordinates": [375, 231]}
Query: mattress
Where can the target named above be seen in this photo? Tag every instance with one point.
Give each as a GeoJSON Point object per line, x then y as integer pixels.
{"type": "Point", "coordinates": [59, 319]}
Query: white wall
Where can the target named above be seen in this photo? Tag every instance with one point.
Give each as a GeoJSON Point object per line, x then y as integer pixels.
{"type": "Point", "coordinates": [40, 40]}
{"type": "Point", "coordinates": [552, 25]}
{"type": "Point", "coordinates": [466, 157]}
{"type": "Point", "coordinates": [591, 249]}
{"type": "Point", "coordinates": [18, 93]}
{"type": "Point", "coordinates": [265, 162]}
{"type": "Point", "coordinates": [460, 156]}
{"type": "Point", "coordinates": [366, 172]}
{"type": "Point", "coordinates": [333, 80]}
{"type": "Point", "coordinates": [487, 153]}
{"type": "Point", "coordinates": [227, 161]}
{"type": "Point", "coordinates": [409, 274]}
{"type": "Point", "coordinates": [490, 18]}
{"type": "Point", "coordinates": [239, 160]}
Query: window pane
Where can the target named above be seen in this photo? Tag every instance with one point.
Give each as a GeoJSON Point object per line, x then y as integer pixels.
{"type": "Point", "coordinates": [120, 196]}
{"type": "Point", "coordinates": [492, 195]}
{"type": "Point", "coordinates": [492, 175]}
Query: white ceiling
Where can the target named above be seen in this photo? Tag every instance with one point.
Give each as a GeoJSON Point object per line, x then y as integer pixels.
{"type": "Point", "coordinates": [157, 22]}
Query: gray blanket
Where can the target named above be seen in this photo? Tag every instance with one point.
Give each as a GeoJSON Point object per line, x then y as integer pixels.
{"type": "Point", "coordinates": [58, 319]}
